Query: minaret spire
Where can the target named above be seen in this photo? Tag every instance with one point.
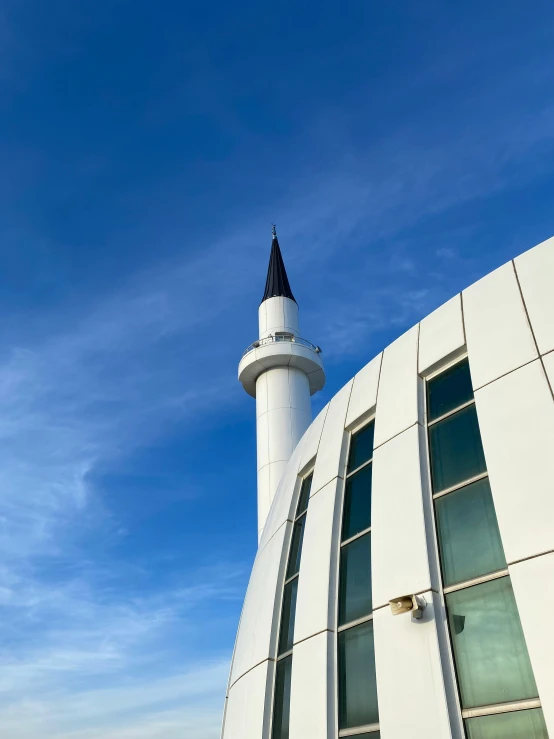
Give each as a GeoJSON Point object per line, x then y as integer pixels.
{"type": "Point", "coordinates": [277, 282]}
{"type": "Point", "coordinates": [281, 370]}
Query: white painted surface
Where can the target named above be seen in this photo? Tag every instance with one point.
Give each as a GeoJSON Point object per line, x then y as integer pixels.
{"type": "Point", "coordinates": [283, 410]}
{"type": "Point", "coordinates": [313, 437]}
{"type": "Point", "coordinates": [264, 498]}
{"type": "Point", "coordinates": [262, 441]}
{"type": "Point", "coordinates": [548, 360]}
{"type": "Point", "coordinates": [364, 390]}
{"type": "Point", "coordinates": [258, 621]}
{"type": "Point", "coordinates": [498, 334]}
{"type": "Point", "coordinates": [332, 449]}
{"type": "Point", "coordinates": [516, 417]}
{"type": "Point", "coordinates": [249, 703]}
{"type": "Point", "coordinates": [535, 270]}
{"type": "Point", "coordinates": [533, 584]}
{"type": "Point", "coordinates": [397, 400]}
{"type": "Point", "coordinates": [441, 333]}
{"type": "Point", "coordinates": [278, 314]}
{"type": "Point", "coordinates": [410, 689]}
{"type": "Point", "coordinates": [312, 699]}
{"type": "Point", "coordinates": [315, 604]}
{"type": "Point", "coordinates": [400, 562]}
{"type": "Point", "coordinates": [284, 503]}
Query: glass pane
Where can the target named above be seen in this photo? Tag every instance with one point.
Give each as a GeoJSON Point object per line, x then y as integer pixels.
{"type": "Point", "coordinates": [304, 495]}
{"type": "Point", "coordinates": [355, 580]}
{"type": "Point", "coordinates": [357, 684]}
{"type": "Point", "coordinates": [489, 647]}
{"type": "Point", "coordinates": [286, 635]}
{"type": "Point", "coordinates": [357, 503]}
{"type": "Point", "coordinates": [281, 706]}
{"type": "Point", "coordinates": [456, 449]}
{"type": "Point", "coordinates": [449, 390]}
{"type": "Point", "coordinates": [361, 447]}
{"type": "Point", "coordinates": [516, 725]}
{"type": "Point", "coordinates": [296, 548]}
{"type": "Point", "coordinates": [370, 735]}
{"type": "Point", "coordinates": [469, 539]}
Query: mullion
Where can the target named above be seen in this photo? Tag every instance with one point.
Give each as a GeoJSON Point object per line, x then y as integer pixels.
{"type": "Point", "coordinates": [451, 413]}
{"type": "Point", "coordinates": [346, 542]}
{"type": "Point", "coordinates": [364, 464]}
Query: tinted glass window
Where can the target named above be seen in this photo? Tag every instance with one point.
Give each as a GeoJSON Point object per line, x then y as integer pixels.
{"type": "Point", "coordinates": [357, 503]}
{"type": "Point", "coordinates": [296, 547]}
{"type": "Point", "coordinates": [282, 699]}
{"type": "Point", "coordinates": [357, 684]}
{"type": "Point", "coordinates": [489, 648]}
{"type": "Point", "coordinates": [449, 390]}
{"type": "Point", "coordinates": [514, 725]}
{"type": "Point", "coordinates": [456, 449]}
{"type": "Point", "coordinates": [355, 580]}
{"type": "Point", "coordinates": [469, 539]}
{"type": "Point", "coordinates": [286, 636]}
{"type": "Point", "coordinates": [304, 495]}
{"type": "Point", "coordinates": [361, 447]}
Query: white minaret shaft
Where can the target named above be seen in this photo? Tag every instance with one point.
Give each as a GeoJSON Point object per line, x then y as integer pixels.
{"type": "Point", "coordinates": [281, 371]}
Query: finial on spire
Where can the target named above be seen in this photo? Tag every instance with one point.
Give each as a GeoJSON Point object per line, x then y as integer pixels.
{"type": "Point", "coordinates": [274, 230]}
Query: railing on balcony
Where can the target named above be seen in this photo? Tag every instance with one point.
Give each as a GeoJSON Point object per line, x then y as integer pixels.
{"type": "Point", "coordinates": [289, 338]}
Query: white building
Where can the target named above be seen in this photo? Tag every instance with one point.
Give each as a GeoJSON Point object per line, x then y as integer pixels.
{"type": "Point", "coordinates": [425, 486]}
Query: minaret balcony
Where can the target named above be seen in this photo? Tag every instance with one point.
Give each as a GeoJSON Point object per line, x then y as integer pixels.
{"type": "Point", "coordinates": [281, 350]}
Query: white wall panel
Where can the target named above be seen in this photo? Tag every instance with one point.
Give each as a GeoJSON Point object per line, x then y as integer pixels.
{"type": "Point", "coordinates": [441, 333]}
{"type": "Point", "coordinates": [248, 704]}
{"type": "Point", "coordinates": [516, 417]}
{"type": "Point", "coordinates": [283, 504]}
{"type": "Point", "coordinates": [535, 269]}
{"type": "Point", "coordinates": [331, 453]}
{"type": "Point", "coordinates": [277, 388]}
{"type": "Point", "coordinates": [299, 390]}
{"type": "Point", "coordinates": [258, 623]}
{"type": "Point", "coordinates": [277, 314]}
{"type": "Point", "coordinates": [315, 609]}
{"type": "Point", "coordinates": [261, 394]}
{"type": "Point", "coordinates": [313, 437]}
{"type": "Point", "coordinates": [548, 360]}
{"type": "Point", "coordinates": [262, 441]}
{"type": "Point", "coordinates": [498, 335]}
{"type": "Point", "coordinates": [400, 563]}
{"type": "Point", "coordinates": [312, 700]}
{"type": "Point", "coordinates": [264, 497]}
{"type": "Point", "coordinates": [533, 583]}
{"type": "Point", "coordinates": [280, 439]}
{"type": "Point", "coordinates": [397, 400]}
{"type": "Point", "coordinates": [364, 390]}
{"type": "Point", "coordinates": [410, 688]}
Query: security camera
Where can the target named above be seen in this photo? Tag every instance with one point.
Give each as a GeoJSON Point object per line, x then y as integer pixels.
{"type": "Point", "coordinates": [414, 604]}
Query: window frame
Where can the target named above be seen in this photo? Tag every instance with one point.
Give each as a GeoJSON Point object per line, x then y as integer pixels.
{"type": "Point", "coordinates": [280, 656]}
{"type": "Point", "coordinates": [351, 432]}
{"type": "Point", "coordinates": [478, 711]}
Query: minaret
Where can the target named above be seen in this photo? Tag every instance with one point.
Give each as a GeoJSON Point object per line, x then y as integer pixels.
{"type": "Point", "coordinates": [281, 371]}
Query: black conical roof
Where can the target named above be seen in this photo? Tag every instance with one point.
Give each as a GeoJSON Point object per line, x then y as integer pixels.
{"type": "Point", "coordinates": [277, 283]}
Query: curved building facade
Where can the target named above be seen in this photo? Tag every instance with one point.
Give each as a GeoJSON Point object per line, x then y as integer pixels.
{"type": "Point", "coordinates": [404, 581]}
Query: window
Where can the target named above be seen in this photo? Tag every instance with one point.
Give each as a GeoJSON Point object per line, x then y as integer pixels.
{"type": "Point", "coordinates": [358, 711]}
{"type": "Point", "coordinates": [283, 670]}
{"type": "Point", "coordinates": [497, 689]}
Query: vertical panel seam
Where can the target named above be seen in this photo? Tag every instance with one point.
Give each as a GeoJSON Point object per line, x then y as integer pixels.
{"type": "Point", "coordinates": [463, 318]}
{"type": "Point", "coordinates": [531, 329]}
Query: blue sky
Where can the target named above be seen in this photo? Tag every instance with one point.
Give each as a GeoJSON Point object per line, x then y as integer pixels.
{"type": "Point", "coordinates": [404, 150]}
